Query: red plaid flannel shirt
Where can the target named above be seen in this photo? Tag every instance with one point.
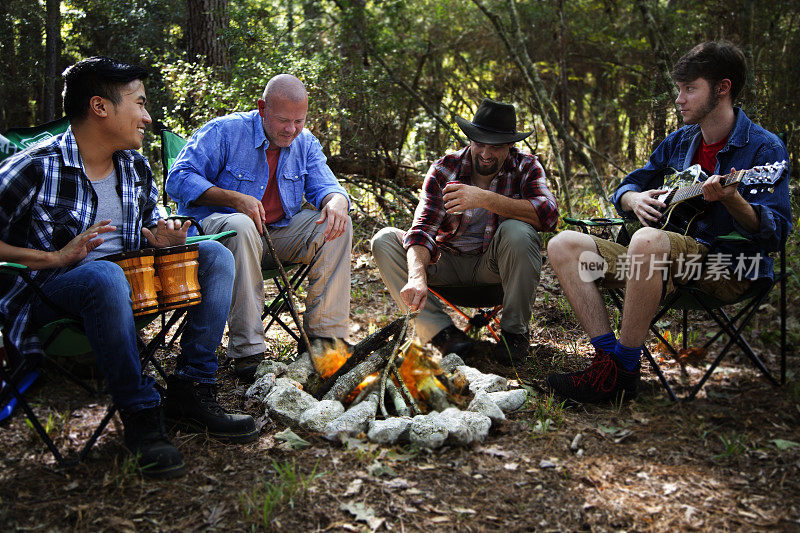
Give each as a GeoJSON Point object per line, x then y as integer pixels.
{"type": "Point", "coordinates": [521, 176]}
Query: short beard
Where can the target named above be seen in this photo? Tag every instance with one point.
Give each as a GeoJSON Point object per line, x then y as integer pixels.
{"type": "Point", "coordinates": [485, 170]}
{"type": "Point", "coordinates": [709, 106]}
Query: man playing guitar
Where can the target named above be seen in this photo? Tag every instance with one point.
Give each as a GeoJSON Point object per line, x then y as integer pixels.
{"type": "Point", "coordinates": [720, 138]}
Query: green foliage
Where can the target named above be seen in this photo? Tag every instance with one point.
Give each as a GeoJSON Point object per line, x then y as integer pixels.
{"type": "Point", "coordinates": [270, 497]}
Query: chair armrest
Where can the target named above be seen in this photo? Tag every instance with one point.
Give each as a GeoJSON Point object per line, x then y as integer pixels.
{"type": "Point", "coordinates": [212, 237]}
{"type": "Point", "coordinates": [733, 236]}
{"type": "Point", "coordinates": [593, 222]}
{"type": "Point", "coordinates": [12, 268]}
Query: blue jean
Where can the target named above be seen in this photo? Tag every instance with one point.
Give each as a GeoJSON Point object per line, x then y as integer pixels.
{"type": "Point", "coordinates": [99, 293]}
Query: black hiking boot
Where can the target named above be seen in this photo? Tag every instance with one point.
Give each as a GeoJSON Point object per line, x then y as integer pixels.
{"type": "Point", "coordinates": [146, 438]}
{"type": "Point", "coordinates": [604, 380]}
{"type": "Point", "coordinates": [511, 349]}
{"type": "Point", "coordinates": [193, 407]}
{"type": "Point", "coordinates": [244, 368]}
{"type": "Point", "coordinates": [452, 340]}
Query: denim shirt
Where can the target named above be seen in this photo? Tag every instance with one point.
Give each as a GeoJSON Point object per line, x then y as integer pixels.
{"type": "Point", "coordinates": [748, 145]}
{"type": "Point", "coordinates": [229, 152]}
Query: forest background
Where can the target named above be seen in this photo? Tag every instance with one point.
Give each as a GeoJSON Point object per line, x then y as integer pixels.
{"type": "Point", "coordinates": [386, 79]}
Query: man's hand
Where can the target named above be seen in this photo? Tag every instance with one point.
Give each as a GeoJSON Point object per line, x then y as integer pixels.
{"type": "Point", "coordinates": [645, 205]}
{"type": "Point", "coordinates": [79, 247]}
{"type": "Point", "coordinates": [167, 233]}
{"type": "Point", "coordinates": [458, 197]}
{"type": "Point", "coordinates": [252, 207]}
{"type": "Point", "coordinates": [334, 211]}
{"type": "Point", "coordinates": [713, 191]}
{"type": "Point", "coordinates": [415, 294]}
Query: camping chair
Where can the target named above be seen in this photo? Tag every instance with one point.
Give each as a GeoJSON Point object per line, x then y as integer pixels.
{"type": "Point", "coordinates": [17, 139]}
{"type": "Point", "coordinates": [487, 299]}
{"type": "Point", "coordinates": [171, 145]}
{"type": "Point", "coordinates": [687, 298]}
{"type": "Point", "coordinates": [62, 338]}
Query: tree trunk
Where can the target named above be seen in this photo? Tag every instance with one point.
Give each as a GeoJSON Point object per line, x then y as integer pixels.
{"type": "Point", "coordinates": [52, 55]}
{"type": "Point", "coordinates": [352, 135]}
{"type": "Point", "coordinates": [208, 20]}
{"type": "Point", "coordinates": [562, 65]}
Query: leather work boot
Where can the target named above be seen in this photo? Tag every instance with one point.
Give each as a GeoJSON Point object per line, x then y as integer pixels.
{"type": "Point", "coordinates": [146, 438]}
{"type": "Point", "coordinates": [244, 368]}
{"type": "Point", "coordinates": [452, 340]}
{"type": "Point", "coordinates": [511, 349]}
{"type": "Point", "coordinates": [604, 380]}
{"type": "Point", "coordinates": [193, 407]}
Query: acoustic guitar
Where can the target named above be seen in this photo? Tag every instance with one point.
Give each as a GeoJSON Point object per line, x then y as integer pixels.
{"type": "Point", "coordinates": [684, 199]}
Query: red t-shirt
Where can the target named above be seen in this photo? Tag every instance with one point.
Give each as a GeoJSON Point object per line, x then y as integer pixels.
{"type": "Point", "coordinates": [706, 155]}
{"type": "Point", "coordinates": [271, 199]}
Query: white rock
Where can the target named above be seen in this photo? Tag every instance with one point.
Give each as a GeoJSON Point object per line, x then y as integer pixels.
{"type": "Point", "coordinates": [478, 381]}
{"type": "Point", "coordinates": [301, 368]}
{"type": "Point", "coordinates": [483, 404]}
{"type": "Point", "coordinates": [458, 432]}
{"type": "Point", "coordinates": [286, 402]}
{"type": "Point", "coordinates": [259, 390]}
{"type": "Point", "coordinates": [509, 400]}
{"type": "Point", "coordinates": [427, 432]}
{"type": "Point", "coordinates": [354, 421]}
{"type": "Point", "coordinates": [389, 431]}
{"type": "Point", "coordinates": [450, 362]}
{"type": "Point", "coordinates": [317, 417]}
{"type": "Point", "coordinates": [270, 366]}
{"type": "Point", "coordinates": [478, 423]}
{"type": "Point", "coordinates": [576, 442]}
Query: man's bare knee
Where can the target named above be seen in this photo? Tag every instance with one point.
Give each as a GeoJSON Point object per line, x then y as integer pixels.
{"type": "Point", "coordinates": [648, 241]}
{"type": "Point", "coordinates": [567, 246]}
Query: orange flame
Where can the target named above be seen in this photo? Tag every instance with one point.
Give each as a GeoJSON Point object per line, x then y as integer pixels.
{"type": "Point", "coordinates": [419, 372]}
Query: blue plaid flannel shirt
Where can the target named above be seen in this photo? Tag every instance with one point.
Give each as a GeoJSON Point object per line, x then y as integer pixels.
{"type": "Point", "coordinates": [46, 200]}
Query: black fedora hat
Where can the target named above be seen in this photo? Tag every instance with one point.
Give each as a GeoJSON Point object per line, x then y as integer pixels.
{"type": "Point", "coordinates": [493, 123]}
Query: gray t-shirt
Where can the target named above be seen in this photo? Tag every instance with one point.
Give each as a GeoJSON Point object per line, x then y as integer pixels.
{"type": "Point", "coordinates": [471, 241]}
{"type": "Point", "coordinates": [109, 207]}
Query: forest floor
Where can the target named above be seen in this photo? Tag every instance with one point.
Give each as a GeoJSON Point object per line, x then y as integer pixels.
{"type": "Point", "coordinates": [726, 461]}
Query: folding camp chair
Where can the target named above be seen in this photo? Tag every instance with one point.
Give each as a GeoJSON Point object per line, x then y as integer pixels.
{"type": "Point", "coordinates": [487, 299]}
{"type": "Point", "coordinates": [687, 298]}
{"type": "Point", "coordinates": [63, 338]}
{"type": "Point", "coordinates": [171, 145]}
{"type": "Point", "coordinates": [17, 139]}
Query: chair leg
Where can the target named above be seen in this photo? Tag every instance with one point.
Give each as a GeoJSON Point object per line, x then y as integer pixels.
{"type": "Point", "coordinates": [660, 375]}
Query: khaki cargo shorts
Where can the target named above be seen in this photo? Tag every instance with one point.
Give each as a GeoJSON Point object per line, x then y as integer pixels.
{"type": "Point", "coordinates": [685, 265]}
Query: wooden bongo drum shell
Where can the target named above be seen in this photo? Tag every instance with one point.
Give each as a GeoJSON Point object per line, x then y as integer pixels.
{"type": "Point", "coordinates": [176, 268]}
{"type": "Point", "coordinates": [138, 268]}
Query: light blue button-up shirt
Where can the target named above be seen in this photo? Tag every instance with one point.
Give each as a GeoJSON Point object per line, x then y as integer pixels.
{"type": "Point", "coordinates": [229, 152]}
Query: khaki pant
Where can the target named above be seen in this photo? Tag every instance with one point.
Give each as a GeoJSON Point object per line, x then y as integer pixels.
{"type": "Point", "coordinates": [328, 295]}
{"type": "Point", "coordinates": [513, 259]}
{"type": "Point", "coordinates": [685, 265]}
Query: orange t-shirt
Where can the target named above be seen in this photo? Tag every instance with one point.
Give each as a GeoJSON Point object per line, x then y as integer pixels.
{"type": "Point", "coordinates": [271, 199]}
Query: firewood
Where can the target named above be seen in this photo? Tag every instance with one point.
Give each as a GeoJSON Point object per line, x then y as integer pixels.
{"type": "Point", "coordinates": [361, 351]}
{"type": "Point", "coordinates": [349, 381]}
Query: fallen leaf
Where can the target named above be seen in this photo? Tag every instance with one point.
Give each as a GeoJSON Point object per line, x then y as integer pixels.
{"type": "Point", "coordinates": [291, 441]}
{"type": "Point", "coordinates": [783, 445]}
{"type": "Point", "coordinates": [511, 466]}
{"type": "Point", "coordinates": [354, 487]}
{"type": "Point", "coordinates": [495, 452]}
{"type": "Point", "coordinates": [363, 513]}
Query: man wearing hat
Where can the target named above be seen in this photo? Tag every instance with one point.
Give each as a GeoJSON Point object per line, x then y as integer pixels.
{"type": "Point", "coordinates": [477, 222]}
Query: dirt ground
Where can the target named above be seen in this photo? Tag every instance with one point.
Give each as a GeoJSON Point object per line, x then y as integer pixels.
{"type": "Point", "coordinates": [726, 461]}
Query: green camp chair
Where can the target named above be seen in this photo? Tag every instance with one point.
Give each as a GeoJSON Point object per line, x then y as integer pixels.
{"type": "Point", "coordinates": [18, 139]}
{"type": "Point", "coordinates": [171, 145]}
{"type": "Point", "coordinates": [687, 298]}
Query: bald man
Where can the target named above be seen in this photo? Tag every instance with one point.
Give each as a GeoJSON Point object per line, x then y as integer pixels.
{"type": "Point", "coordinates": [248, 172]}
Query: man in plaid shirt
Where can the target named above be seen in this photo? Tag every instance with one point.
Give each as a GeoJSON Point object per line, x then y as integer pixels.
{"type": "Point", "coordinates": [88, 193]}
{"type": "Point", "coordinates": [477, 223]}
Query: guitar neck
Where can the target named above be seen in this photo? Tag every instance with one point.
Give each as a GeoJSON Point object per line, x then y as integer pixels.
{"type": "Point", "coordinates": [696, 189]}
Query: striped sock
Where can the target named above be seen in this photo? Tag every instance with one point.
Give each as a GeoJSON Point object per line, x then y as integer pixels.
{"type": "Point", "coordinates": [607, 342]}
{"type": "Point", "coordinates": [628, 357]}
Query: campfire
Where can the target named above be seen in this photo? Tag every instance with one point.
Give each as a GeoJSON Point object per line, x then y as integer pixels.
{"type": "Point", "coordinates": [385, 387]}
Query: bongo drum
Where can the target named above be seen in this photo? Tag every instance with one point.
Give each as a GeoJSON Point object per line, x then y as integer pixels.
{"type": "Point", "coordinates": [176, 270]}
{"type": "Point", "coordinates": [138, 268]}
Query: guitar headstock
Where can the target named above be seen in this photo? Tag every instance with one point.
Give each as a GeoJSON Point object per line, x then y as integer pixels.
{"type": "Point", "coordinates": [761, 177]}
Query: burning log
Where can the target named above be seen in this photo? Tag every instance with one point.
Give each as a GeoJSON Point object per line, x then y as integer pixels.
{"type": "Point", "coordinates": [361, 351]}
{"type": "Point", "coordinates": [344, 384]}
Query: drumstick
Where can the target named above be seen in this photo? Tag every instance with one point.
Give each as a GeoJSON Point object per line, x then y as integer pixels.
{"type": "Point", "coordinates": [290, 289]}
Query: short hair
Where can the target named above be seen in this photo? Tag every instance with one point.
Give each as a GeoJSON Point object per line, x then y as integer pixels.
{"type": "Point", "coordinates": [96, 76]}
{"type": "Point", "coordinates": [713, 61]}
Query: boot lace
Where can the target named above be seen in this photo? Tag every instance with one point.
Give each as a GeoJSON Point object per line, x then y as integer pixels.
{"type": "Point", "coordinates": [596, 376]}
